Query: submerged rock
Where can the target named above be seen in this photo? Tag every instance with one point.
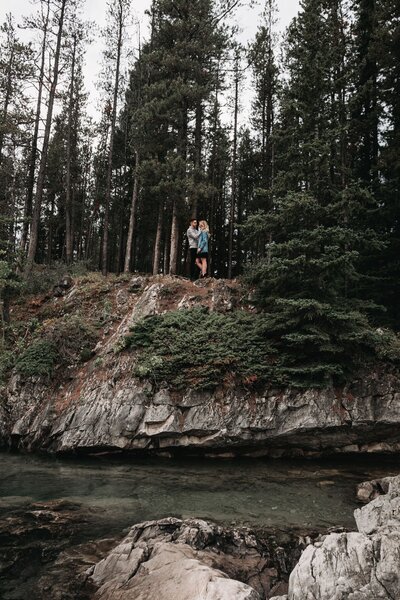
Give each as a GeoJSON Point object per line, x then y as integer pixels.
{"type": "Point", "coordinates": [32, 538]}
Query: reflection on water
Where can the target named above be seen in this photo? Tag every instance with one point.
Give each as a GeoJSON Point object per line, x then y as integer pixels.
{"type": "Point", "coordinates": [261, 493]}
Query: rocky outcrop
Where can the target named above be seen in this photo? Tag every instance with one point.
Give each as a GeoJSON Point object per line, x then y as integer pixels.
{"type": "Point", "coordinates": [103, 407]}
{"type": "Point", "coordinates": [192, 560]}
{"type": "Point", "coordinates": [115, 412]}
{"type": "Point", "coordinates": [40, 556]}
{"type": "Point", "coordinates": [362, 565]}
{"type": "Point", "coordinates": [369, 490]}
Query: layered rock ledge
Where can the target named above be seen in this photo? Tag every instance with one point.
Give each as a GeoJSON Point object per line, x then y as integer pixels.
{"type": "Point", "coordinates": [101, 406]}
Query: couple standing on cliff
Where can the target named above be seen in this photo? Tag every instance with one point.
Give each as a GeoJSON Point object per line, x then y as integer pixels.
{"type": "Point", "coordinates": [198, 248]}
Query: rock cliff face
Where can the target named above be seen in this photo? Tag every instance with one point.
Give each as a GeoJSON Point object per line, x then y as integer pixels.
{"type": "Point", "coordinates": [102, 407]}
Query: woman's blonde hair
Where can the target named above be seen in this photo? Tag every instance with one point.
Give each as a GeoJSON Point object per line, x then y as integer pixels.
{"type": "Point", "coordinates": [205, 224]}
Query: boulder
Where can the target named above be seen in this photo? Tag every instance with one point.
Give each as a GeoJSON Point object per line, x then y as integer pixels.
{"type": "Point", "coordinates": [174, 559]}
{"type": "Point", "coordinates": [369, 490]}
{"type": "Point", "coordinates": [362, 565]}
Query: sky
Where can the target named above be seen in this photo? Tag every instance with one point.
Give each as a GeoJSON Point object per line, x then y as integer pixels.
{"type": "Point", "coordinates": [95, 10]}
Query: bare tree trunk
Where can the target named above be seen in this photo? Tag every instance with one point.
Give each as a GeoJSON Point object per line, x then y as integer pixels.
{"type": "Point", "coordinates": [107, 199]}
{"type": "Point", "coordinates": [34, 148]}
{"type": "Point", "coordinates": [173, 253]}
{"type": "Point", "coordinates": [197, 160]}
{"type": "Point", "coordinates": [132, 218]}
{"type": "Point", "coordinates": [234, 161]}
{"type": "Point", "coordinates": [69, 233]}
{"type": "Point", "coordinates": [166, 251]}
{"type": "Point", "coordinates": [7, 97]}
{"type": "Point", "coordinates": [43, 159]}
{"type": "Point", "coordinates": [157, 245]}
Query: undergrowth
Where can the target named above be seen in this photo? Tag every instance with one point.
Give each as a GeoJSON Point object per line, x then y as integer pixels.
{"type": "Point", "coordinates": [201, 349]}
{"type": "Point", "coordinates": [62, 343]}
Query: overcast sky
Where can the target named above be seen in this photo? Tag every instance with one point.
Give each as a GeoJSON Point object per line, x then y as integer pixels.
{"type": "Point", "coordinates": [95, 10]}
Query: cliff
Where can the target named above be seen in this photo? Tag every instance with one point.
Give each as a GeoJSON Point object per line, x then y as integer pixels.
{"type": "Point", "coordinates": [100, 403]}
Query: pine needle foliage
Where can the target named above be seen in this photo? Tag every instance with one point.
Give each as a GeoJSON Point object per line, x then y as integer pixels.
{"type": "Point", "coordinates": [307, 285]}
{"type": "Point", "coordinates": [200, 349]}
{"type": "Point", "coordinates": [64, 343]}
{"type": "Point", "coordinates": [38, 359]}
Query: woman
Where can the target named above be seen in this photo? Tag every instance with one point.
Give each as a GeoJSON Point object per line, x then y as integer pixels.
{"type": "Point", "coordinates": [202, 248]}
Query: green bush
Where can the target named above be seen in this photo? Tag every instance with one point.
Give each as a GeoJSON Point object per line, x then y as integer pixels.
{"type": "Point", "coordinates": [65, 342]}
{"type": "Point", "coordinates": [74, 338]}
{"type": "Point", "coordinates": [38, 359]}
{"type": "Point", "coordinates": [202, 349]}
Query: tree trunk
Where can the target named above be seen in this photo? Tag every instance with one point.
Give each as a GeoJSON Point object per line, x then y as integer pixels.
{"type": "Point", "coordinates": [173, 253]}
{"type": "Point", "coordinates": [107, 199]}
{"type": "Point", "coordinates": [197, 160]}
{"type": "Point", "coordinates": [34, 147]}
{"type": "Point", "coordinates": [43, 159]}
{"type": "Point", "coordinates": [132, 218]}
{"type": "Point", "coordinates": [69, 232]}
{"type": "Point", "coordinates": [157, 245]}
{"type": "Point", "coordinates": [234, 161]}
{"type": "Point", "coordinates": [7, 97]}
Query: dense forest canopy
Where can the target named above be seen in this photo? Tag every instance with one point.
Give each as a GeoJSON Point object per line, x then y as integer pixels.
{"type": "Point", "coordinates": [304, 200]}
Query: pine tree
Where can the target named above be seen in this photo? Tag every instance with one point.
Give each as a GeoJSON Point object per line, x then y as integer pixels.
{"type": "Point", "coordinates": [16, 66]}
{"type": "Point", "coordinates": [387, 48]}
{"type": "Point", "coordinates": [310, 277]}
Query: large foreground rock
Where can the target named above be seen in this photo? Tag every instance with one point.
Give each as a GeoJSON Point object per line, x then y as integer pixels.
{"type": "Point", "coordinates": [363, 565]}
{"type": "Point", "coordinates": [171, 559]}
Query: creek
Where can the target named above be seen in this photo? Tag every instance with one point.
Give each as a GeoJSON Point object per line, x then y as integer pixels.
{"type": "Point", "coordinates": [52, 507]}
{"type": "Point", "coordinates": [272, 493]}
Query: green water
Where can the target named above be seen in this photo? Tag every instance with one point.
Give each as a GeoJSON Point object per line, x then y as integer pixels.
{"type": "Point", "coordinates": [257, 493]}
{"type": "Point", "coordinates": [109, 496]}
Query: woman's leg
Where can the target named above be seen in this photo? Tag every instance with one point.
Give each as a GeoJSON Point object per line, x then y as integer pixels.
{"type": "Point", "coordinates": [198, 263]}
{"type": "Point", "coordinates": [204, 267]}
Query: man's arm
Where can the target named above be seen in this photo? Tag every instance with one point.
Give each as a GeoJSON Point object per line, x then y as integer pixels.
{"type": "Point", "coordinates": [193, 234]}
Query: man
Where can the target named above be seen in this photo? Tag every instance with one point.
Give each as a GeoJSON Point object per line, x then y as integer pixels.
{"type": "Point", "coordinates": [193, 236]}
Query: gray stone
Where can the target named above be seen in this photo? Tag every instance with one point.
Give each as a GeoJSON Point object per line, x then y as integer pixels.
{"type": "Point", "coordinates": [136, 284]}
{"type": "Point", "coordinates": [176, 560]}
{"type": "Point", "coordinates": [362, 565]}
{"type": "Point", "coordinates": [369, 490]}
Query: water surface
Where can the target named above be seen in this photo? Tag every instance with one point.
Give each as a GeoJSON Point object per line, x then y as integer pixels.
{"type": "Point", "coordinates": [257, 493]}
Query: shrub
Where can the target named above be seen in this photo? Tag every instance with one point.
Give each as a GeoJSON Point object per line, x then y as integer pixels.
{"type": "Point", "coordinates": [6, 363]}
{"type": "Point", "coordinates": [201, 349]}
{"type": "Point", "coordinates": [204, 349]}
{"type": "Point", "coordinates": [73, 337]}
{"type": "Point", "coordinates": [39, 358]}
{"type": "Point", "coordinates": [64, 342]}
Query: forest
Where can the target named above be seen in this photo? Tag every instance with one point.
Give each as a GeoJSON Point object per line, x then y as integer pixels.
{"type": "Point", "coordinates": [302, 200]}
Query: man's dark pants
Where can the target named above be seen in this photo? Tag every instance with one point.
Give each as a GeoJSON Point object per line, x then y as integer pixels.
{"type": "Point", "coordinates": [194, 269]}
